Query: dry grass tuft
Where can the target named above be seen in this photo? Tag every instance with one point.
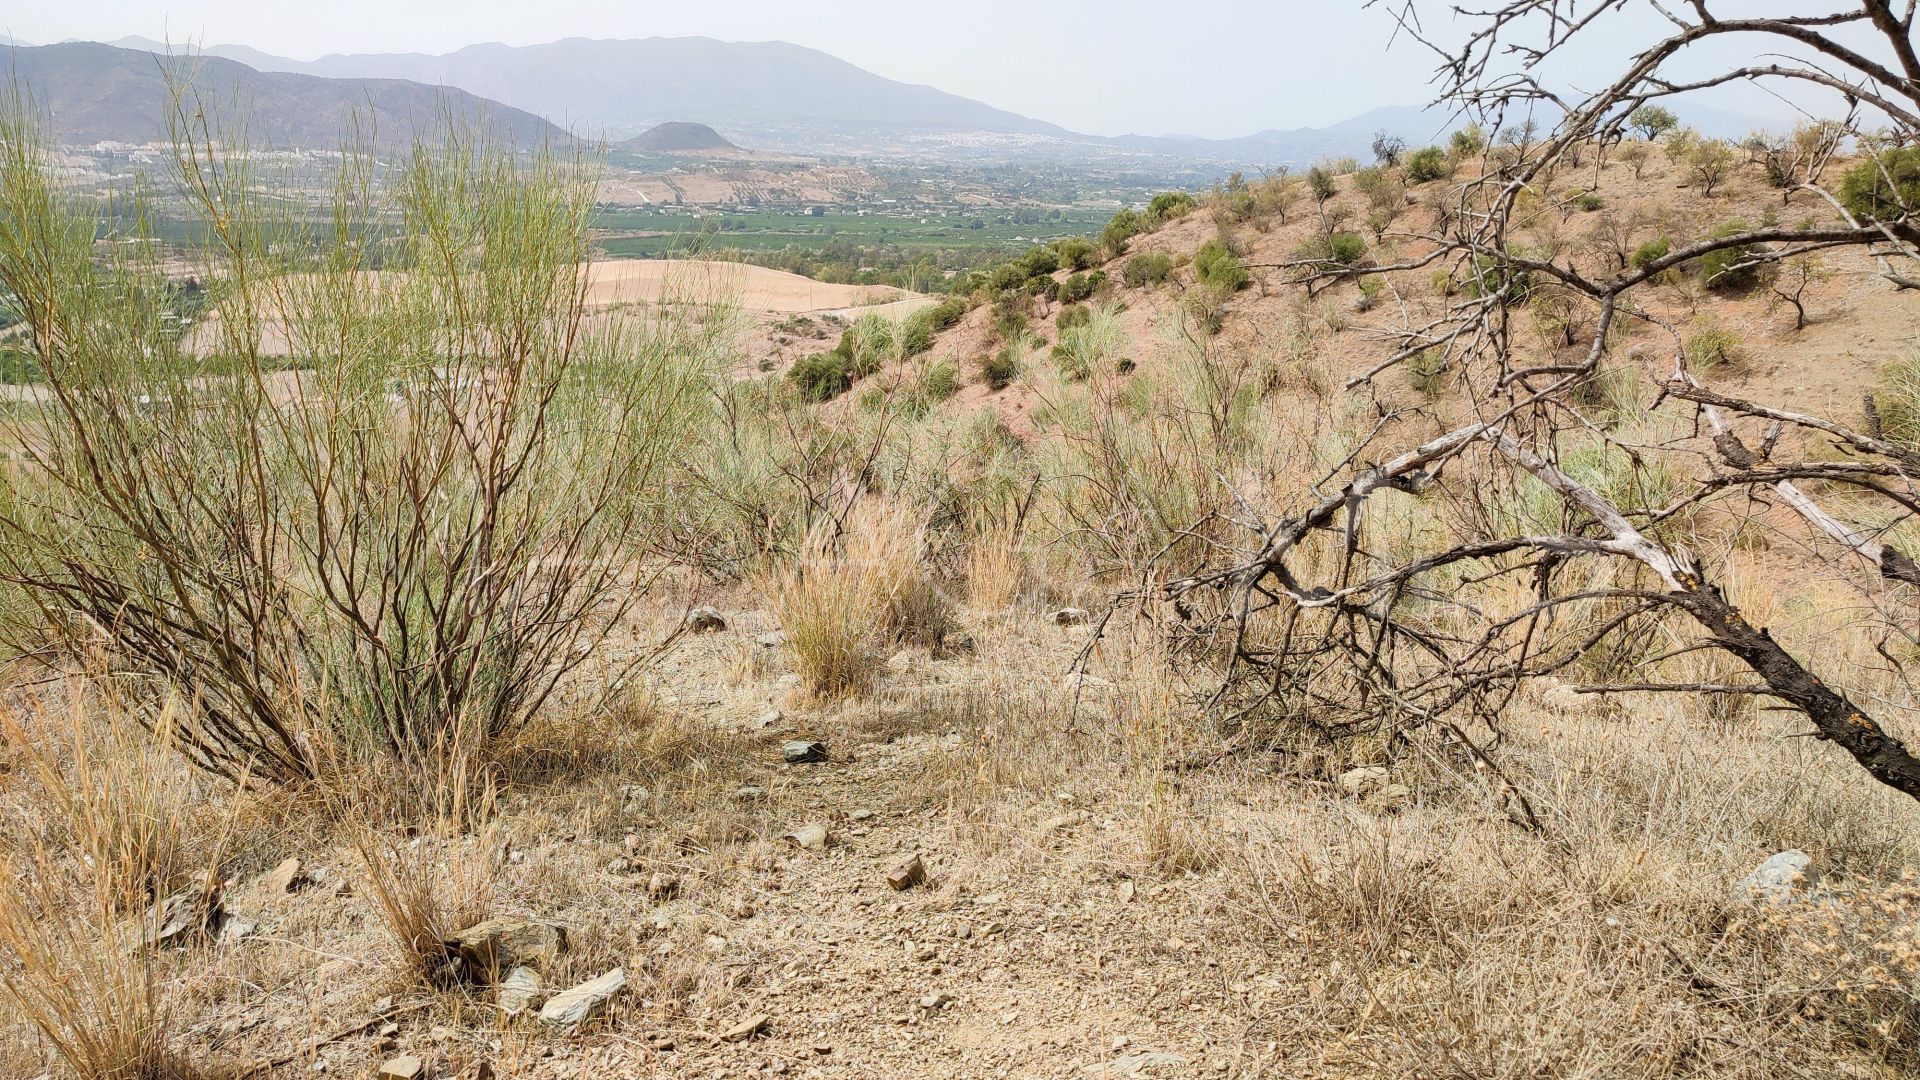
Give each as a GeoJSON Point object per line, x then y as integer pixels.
{"type": "Point", "coordinates": [848, 598]}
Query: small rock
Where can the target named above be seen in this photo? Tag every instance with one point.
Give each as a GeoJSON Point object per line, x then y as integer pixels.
{"type": "Point", "coordinates": [801, 751]}
{"type": "Point", "coordinates": [1357, 782]}
{"type": "Point", "coordinates": [748, 1028]}
{"type": "Point", "coordinates": [500, 944]}
{"type": "Point", "coordinates": [823, 1047]}
{"type": "Point", "coordinates": [772, 639]}
{"type": "Point", "coordinates": [236, 929]}
{"type": "Point", "coordinates": [1126, 892]}
{"type": "Point", "coordinates": [662, 885]}
{"type": "Point", "coordinates": [907, 875]}
{"type": "Point", "coordinates": [935, 1001]}
{"type": "Point", "coordinates": [184, 918]}
{"type": "Point", "coordinates": [517, 990]}
{"type": "Point", "coordinates": [810, 837]}
{"type": "Point", "coordinates": [404, 1067]}
{"type": "Point", "coordinates": [862, 815]}
{"type": "Point", "coordinates": [705, 620]}
{"type": "Point", "coordinates": [770, 718]}
{"type": "Point", "coordinates": [1782, 877]}
{"type": "Point", "coordinates": [749, 793]}
{"type": "Point", "coordinates": [662, 1043]}
{"type": "Point", "coordinates": [632, 795]}
{"type": "Point", "coordinates": [570, 1008]}
{"type": "Point", "coordinates": [284, 878]}
{"type": "Point", "coordinates": [1068, 616]}
{"type": "Point", "coordinates": [1063, 822]}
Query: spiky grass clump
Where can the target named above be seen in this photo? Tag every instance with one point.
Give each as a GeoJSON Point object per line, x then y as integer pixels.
{"type": "Point", "coordinates": [848, 597]}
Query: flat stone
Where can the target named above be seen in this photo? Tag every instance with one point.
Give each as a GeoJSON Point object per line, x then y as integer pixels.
{"type": "Point", "coordinates": [1132, 1064]}
{"type": "Point", "coordinates": [1357, 782]}
{"type": "Point", "coordinates": [184, 918]}
{"type": "Point", "coordinates": [802, 751]}
{"type": "Point", "coordinates": [1781, 878]}
{"type": "Point", "coordinates": [772, 639]}
{"type": "Point", "coordinates": [748, 1028]}
{"type": "Point", "coordinates": [500, 944]}
{"type": "Point", "coordinates": [810, 837]}
{"type": "Point", "coordinates": [570, 1008]}
{"type": "Point", "coordinates": [907, 875]}
{"type": "Point", "coordinates": [705, 620]}
{"type": "Point", "coordinates": [404, 1067]}
{"type": "Point", "coordinates": [518, 989]}
{"type": "Point", "coordinates": [284, 878]}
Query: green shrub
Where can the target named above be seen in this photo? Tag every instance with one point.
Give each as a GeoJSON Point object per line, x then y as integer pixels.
{"type": "Point", "coordinates": [1075, 289]}
{"type": "Point", "coordinates": [822, 376]}
{"type": "Point", "coordinates": [1321, 183]}
{"type": "Point", "coordinates": [1589, 201]}
{"type": "Point", "coordinates": [1651, 251]}
{"type": "Point", "coordinates": [1712, 347]}
{"type": "Point", "coordinates": [1895, 407]}
{"type": "Point", "coordinates": [1427, 371]}
{"type": "Point", "coordinates": [1040, 261]}
{"type": "Point", "coordinates": [1468, 141]}
{"type": "Point", "coordinates": [1428, 164]}
{"type": "Point", "coordinates": [947, 313]}
{"type": "Point", "coordinates": [1000, 369]}
{"type": "Point", "coordinates": [1168, 205]}
{"type": "Point", "coordinates": [1076, 253]}
{"type": "Point", "coordinates": [1722, 269]}
{"type": "Point", "coordinates": [1148, 268]}
{"type": "Point", "coordinates": [1219, 268]}
{"type": "Point", "coordinates": [1124, 226]}
{"type": "Point", "coordinates": [1346, 248]}
{"type": "Point", "coordinates": [940, 381]}
{"type": "Point", "coordinates": [1884, 187]}
{"type": "Point", "coordinates": [1070, 317]}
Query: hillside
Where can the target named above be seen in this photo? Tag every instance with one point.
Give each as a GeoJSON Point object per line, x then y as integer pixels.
{"type": "Point", "coordinates": [1856, 321]}
{"type": "Point", "coordinates": [677, 137]}
{"type": "Point", "coordinates": [94, 93]}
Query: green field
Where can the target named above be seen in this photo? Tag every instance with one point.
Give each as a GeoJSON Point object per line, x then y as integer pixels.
{"type": "Point", "coordinates": [767, 232]}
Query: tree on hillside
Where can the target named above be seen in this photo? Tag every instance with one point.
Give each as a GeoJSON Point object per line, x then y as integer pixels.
{"type": "Point", "coordinates": [1652, 121]}
{"type": "Point", "coordinates": [1388, 148]}
{"type": "Point", "coordinates": [1566, 530]}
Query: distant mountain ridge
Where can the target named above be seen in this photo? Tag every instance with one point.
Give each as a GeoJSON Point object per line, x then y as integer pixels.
{"type": "Point", "coordinates": [621, 86]}
{"type": "Point", "coordinates": [786, 97]}
{"type": "Point", "coordinates": [99, 93]}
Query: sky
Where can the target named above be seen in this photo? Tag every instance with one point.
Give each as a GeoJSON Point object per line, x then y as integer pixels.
{"type": "Point", "coordinates": [1105, 67]}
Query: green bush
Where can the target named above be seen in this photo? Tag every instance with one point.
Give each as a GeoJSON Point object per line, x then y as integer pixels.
{"type": "Point", "coordinates": [1076, 253]}
{"type": "Point", "coordinates": [1346, 248]}
{"type": "Point", "coordinates": [1712, 347]}
{"type": "Point", "coordinates": [941, 381]}
{"type": "Point", "coordinates": [1168, 205]}
{"type": "Point", "coordinates": [1124, 226]}
{"type": "Point", "coordinates": [1219, 268]}
{"type": "Point", "coordinates": [1040, 261]}
{"type": "Point", "coordinates": [1428, 164]}
{"type": "Point", "coordinates": [1075, 289]}
{"type": "Point", "coordinates": [1589, 201]}
{"type": "Point", "coordinates": [1651, 251]}
{"type": "Point", "coordinates": [1321, 183]}
{"type": "Point", "coordinates": [1895, 407]}
{"type": "Point", "coordinates": [1652, 121]}
{"type": "Point", "coordinates": [1149, 268]}
{"type": "Point", "coordinates": [947, 313]}
{"type": "Point", "coordinates": [822, 376]}
{"type": "Point", "coordinates": [1884, 187]}
{"type": "Point", "coordinates": [1468, 141]}
{"type": "Point", "coordinates": [1000, 369]}
{"type": "Point", "coordinates": [1070, 317]}
{"type": "Point", "coordinates": [1722, 269]}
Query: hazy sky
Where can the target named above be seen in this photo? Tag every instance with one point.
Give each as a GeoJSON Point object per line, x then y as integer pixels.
{"type": "Point", "coordinates": [1223, 68]}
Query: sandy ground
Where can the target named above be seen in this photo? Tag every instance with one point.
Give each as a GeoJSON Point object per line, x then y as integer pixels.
{"type": "Point", "coordinates": [617, 284]}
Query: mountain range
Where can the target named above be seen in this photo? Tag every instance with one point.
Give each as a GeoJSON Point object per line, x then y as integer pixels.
{"type": "Point", "coordinates": [98, 93]}
{"type": "Point", "coordinates": [769, 95]}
